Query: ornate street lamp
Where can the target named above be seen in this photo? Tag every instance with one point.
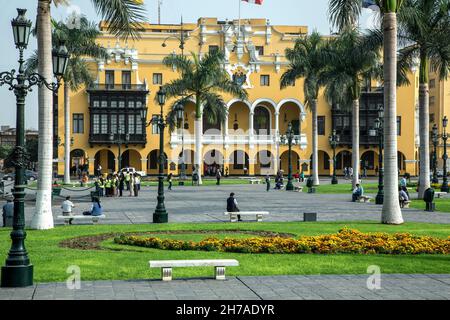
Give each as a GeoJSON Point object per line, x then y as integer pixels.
{"type": "Point", "coordinates": [334, 140]}
{"type": "Point", "coordinates": [160, 215]}
{"type": "Point", "coordinates": [119, 143]}
{"type": "Point", "coordinates": [380, 132]}
{"type": "Point", "coordinates": [289, 139]}
{"type": "Point", "coordinates": [179, 110]}
{"type": "Point", "coordinates": [444, 187]}
{"type": "Point", "coordinates": [18, 271]}
{"type": "Point", "coordinates": [435, 139]}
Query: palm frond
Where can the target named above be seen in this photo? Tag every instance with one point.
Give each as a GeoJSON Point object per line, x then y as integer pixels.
{"type": "Point", "coordinates": [344, 13]}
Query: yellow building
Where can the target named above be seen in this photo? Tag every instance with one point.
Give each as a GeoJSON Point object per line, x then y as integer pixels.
{"type": "Point", "coordinates": [250, 141]}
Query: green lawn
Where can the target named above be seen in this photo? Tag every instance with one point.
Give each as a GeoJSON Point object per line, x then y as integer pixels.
{"type": "Point", "coordinates": [344, 188]}
{"type": "Point", "coordinates": [442, 204]}
{"type": "Point", "coordinates": [123, 262]}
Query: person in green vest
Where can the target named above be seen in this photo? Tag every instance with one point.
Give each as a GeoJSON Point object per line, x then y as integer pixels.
{"type": "Point", "coordinates": [101, 184]}
{"type": "Point", "coordinates": [108, 186]}
{"type": "Point", "coordinates": [113, 186]}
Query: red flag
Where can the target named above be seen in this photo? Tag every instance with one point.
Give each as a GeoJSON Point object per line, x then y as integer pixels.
{"type": "Point", "coordinates": [254, 1]}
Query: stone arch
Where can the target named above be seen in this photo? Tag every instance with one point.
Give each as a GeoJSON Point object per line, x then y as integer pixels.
{"type": "Point", "coordinates": [264, 162]}
{"type": "Point", "coordinates": [284, 162]}
{"type": "Point", "coordinates": [131, 158]}
{"type": "Point", "coordinates": [78, 159]}
{"type": "Point", "coordinates": [238, 117]}
{"type": "Point", "coordinates": [264, 101]}
{"type": "Point", "coordinates": [343, 159]}
{"type": "Point", "coordinates": [106, 159]}
{"type": "Point", "coordinates": [153, 163]}
{"type": "Point", "coordinates": [239, 160]}
{"type": "Point", "coordinates": [294, 101]}
{"type": "Point", "coordinates": [212, 160]}
{"type": "Point", "coordinates": [188, 160]}
{"type": "Point", "coordinates": [401, 158]}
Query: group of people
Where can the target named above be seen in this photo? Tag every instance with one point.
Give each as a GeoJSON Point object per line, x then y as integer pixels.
{"type": "Point", "coordinates": [95, 210]}
{"type": "Point", "coordinates": [348, 172]}
{"type": "Point", "coordinates": [115, 184]}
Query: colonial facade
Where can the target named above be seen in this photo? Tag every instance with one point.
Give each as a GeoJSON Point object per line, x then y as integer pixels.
{"type": "Point", "coordinates": [106, 117]}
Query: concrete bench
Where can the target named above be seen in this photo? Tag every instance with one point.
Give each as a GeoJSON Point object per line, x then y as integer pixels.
{"type": "Point", "coordinates": [219, 265]}
{"type": "Point", "coordinates": [258, 214]}
{"type": "Point", "coordinates": [440, 194]}
{"type": "Point", "coordinates": [94, 219]}
{"type": "Point", "coordinates": [405, 204]}
{"type": "Point", "coordinates": [364, 199]}
{"type": "Point", "coordinates": [298, 187]}
{"type": "Point", "coordinates": [253, 181]}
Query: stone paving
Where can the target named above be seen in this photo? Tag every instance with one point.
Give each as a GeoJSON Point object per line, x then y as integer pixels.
{"type": "Point", "coordinates": [207, 204]}
{"type": "Point", "coordinates": [308, 287]}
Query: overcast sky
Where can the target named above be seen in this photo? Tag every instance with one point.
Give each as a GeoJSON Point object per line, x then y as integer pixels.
{"type": "Point", "coordinates": [289, 12]}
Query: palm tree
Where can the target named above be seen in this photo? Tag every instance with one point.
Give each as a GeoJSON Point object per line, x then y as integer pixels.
{"type": "Point", "coordinates": [352, 60]}
{"type": "Point", "coordinates": [123, 17]}
{"type": "Point", "coordinates": [307, 61]}
{"type": "Point", "coordinates": [424, 26]}
{"type": "Point", "coordinates": [345, 13]}
{"type": "Point", "coordinates": [80, 43]}
{"type": "Point", "coordinates": [202, 79]}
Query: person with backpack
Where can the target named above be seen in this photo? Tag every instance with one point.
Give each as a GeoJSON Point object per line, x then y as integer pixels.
{"type": "Point", "coordinates": [232, 205]}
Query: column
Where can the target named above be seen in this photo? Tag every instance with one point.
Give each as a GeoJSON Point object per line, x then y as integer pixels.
{"type": "Point", "coordinates": [277, 142]}
{"type": "Point", "coordinates": [144, 164]}
{"type": "Point", "coordinates": [91, 166]}
{"type": "Point", "coordinates": [251, 131]}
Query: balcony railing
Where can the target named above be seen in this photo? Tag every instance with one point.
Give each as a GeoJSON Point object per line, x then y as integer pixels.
{"type": "Point", "coordinates": [105, 139]}
{"type": "Point", "coordinates": [118, 87]}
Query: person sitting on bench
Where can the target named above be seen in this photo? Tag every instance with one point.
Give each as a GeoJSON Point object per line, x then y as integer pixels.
{"type": "Point", "coordinates": [232, 205]}
{"type": "Point", "coordinates": [96, 209]}
{"type": "Point", "coordinates": [402, 197]}
{"type": "Point", "coordinates": [357, 192]}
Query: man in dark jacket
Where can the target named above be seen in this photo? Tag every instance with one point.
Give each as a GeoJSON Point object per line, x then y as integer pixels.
{"type": "Point", "coordinates": [232, 205]}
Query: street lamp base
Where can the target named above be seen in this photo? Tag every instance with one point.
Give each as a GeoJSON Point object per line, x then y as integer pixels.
{"type": "Point", "coordinates": [17, 276]}
{"type": "Point", "coordinates": [160, 217]}
{"type": "Point", "coordinates": [379, 199]}
{"type": "Point", "coordinates": [334, 180]}
{"type": "Point", "coordinates": [289, 187]}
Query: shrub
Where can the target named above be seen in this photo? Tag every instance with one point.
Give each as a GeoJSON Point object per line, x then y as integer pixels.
{"type": "Point", "coordinates": [345, 241]}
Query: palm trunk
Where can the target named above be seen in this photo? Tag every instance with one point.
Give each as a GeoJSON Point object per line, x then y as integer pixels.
{"type": "Point", "coordinates": [66, 133]}
{"type": "Point", "coordinates": [424, 128]}
{"type": "Point", "coordinates": [355, 142]}
{"type": "Point", "coordinates": [391, 212]}
{"type": "Point", "coordinates": [315, 156]}
{"type": "Point", "coordinates": [198, 139]}
{"type": "Point", "coordinates": [43, 218]}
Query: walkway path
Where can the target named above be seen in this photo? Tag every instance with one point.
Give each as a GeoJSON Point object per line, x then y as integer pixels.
{"type": "Point", "coordinates": [311, 287]}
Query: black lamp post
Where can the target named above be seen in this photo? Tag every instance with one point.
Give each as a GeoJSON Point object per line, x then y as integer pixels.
{"type": "Point", "coordinates": [18, 271]}
{"type": "Point", "coordinates": [160, 215]}
{"type": "Point", "coordinates": [288, 138]}
{"type": "Point", "coordinates": [444, 187]}
{"type": "Point", "coordinates": [334, 140]}
{"type": "Point", "coordinates": [119, 143]}
{"type": "Point", "coordinates": [179, 109]}
{"type": "Point", "coordinates": [379, 199]}
{"type": "Point", "coordinates": [435, 139]}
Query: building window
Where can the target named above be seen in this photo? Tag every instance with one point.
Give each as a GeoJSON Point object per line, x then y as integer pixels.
{"type": "Point", "coordinates": [138, 104]}
{"type": "Point", "coordinates": [213, 49]}
{"type": "Point", "coordinates": [265, 80]}
{"type": "Point", "coordinates": [321, 125]}
{"type": "Point", "coordinates": [122, 104]}
{"type": "Point", "coordinates": [109, 79]}
{"type": "Point", "coordinates": [131, 124]}
{"type": "Point", "coordinates": [399, 126]}
{"type": "Point", "coordinates": [122, 123]}
{"type": "Point", "coordinates": [157, 78]}
{"type": "Point", "coordinates": [131, 104]}
{"type": "Point", "coordinates": [96, 124]}
{"type": "Point", "coordinates": [113, 123]}
{"type": "Point", "coordinates": [78, 123]}
{"type": "Point", "coordinates": [104, 104]}
{"type": "Point", "coordinates": [432, 83]}
{"type": "Point", "coordinates": [126, 79]}
{"type": "Point", "coordinates": [260, 50]}
{"type": "Point", "coordinates": [104, 123]}
{"type": "Point", "coordinates": [155, 128]}
{"type": "Point", "coordinates": [96, 104]}
{"type": "Point", "coordinates": [432, 100]}
{"type": "Point", "coordinates": [139, 125]}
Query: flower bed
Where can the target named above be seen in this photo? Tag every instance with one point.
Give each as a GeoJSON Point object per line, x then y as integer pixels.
{"type": "Point", "coordinates": [345, 241]}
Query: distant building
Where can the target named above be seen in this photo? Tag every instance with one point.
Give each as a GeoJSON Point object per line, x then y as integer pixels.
{"type": "Point", "coordinates": [8, 135]}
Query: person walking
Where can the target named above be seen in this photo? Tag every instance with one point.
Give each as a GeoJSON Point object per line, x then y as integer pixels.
{"type": "Point", "coordinates": [127, 179]}
{"type": "Point", "coordinates": [135, 185]}
{"type": "Point", "coordinates": [232, 205]}
{"type": "Point", "coordinates": [350, 173]}
{"type": "Point", "coordinates": [218, 176]}
{"type": "Point", "coordinates": [101, 183]}
{"type": "Point", "coordinates": [169, 179]}
{"type": "Point", "coordinates": [66, 207]}
{"type": "Point", "coordinates": [131, 184]}
{"type": "Point", "coordinates": [121, 184]}
{"type": "Point", "coordinates": [267, 183]}
{"type": "Point", "coordinates": [138, 181]}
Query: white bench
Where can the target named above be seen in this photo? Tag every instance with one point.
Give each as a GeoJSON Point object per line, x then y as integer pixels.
{"type": "Point", "coordinates": [219, 264]}
{"type": "Point", "coordinates": [440, 194]}
{"type": "Point", "coordinates": [253, 181]}
{"type": "Point", "coordinates": [94, 219]}
{"type": "Point", "coordinates": [364, 199]}
{"type": "Point", "coordinates": [298, 187]}
{"type": "Point", "coordinates": [406, 204]}
{"type": "Point", "coordinates": [258, 214]}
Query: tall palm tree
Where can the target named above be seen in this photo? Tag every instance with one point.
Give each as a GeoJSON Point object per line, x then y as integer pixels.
{"type": "Point", "coordinates": [306, 60]}
{"type": "Point", "coordinates": [352, 60]}
{"type": "Point", "coordinates": [344, 13]}
{"type": "Point", "coordinates": [123, 17]}
{"type": "Point", "coordinates": [80, 43]}
{"type": "Point", "coordinates": [202, 79]}
{"type": "Point", "coordinates": [424, 26]}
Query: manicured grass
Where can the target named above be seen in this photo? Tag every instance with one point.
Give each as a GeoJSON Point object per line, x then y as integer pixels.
{"type": "Point", "coordinates": [442, 204]}
{"type": "Point", "coordinates": [51, 261]}
{"type": "Point", "coordinates": [344, 188]}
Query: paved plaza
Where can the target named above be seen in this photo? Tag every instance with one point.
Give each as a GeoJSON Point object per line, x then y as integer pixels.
{"type": "Point", "coordinates": [309, 287]}
{"type": "Point", "coordinates": [208, 203]}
